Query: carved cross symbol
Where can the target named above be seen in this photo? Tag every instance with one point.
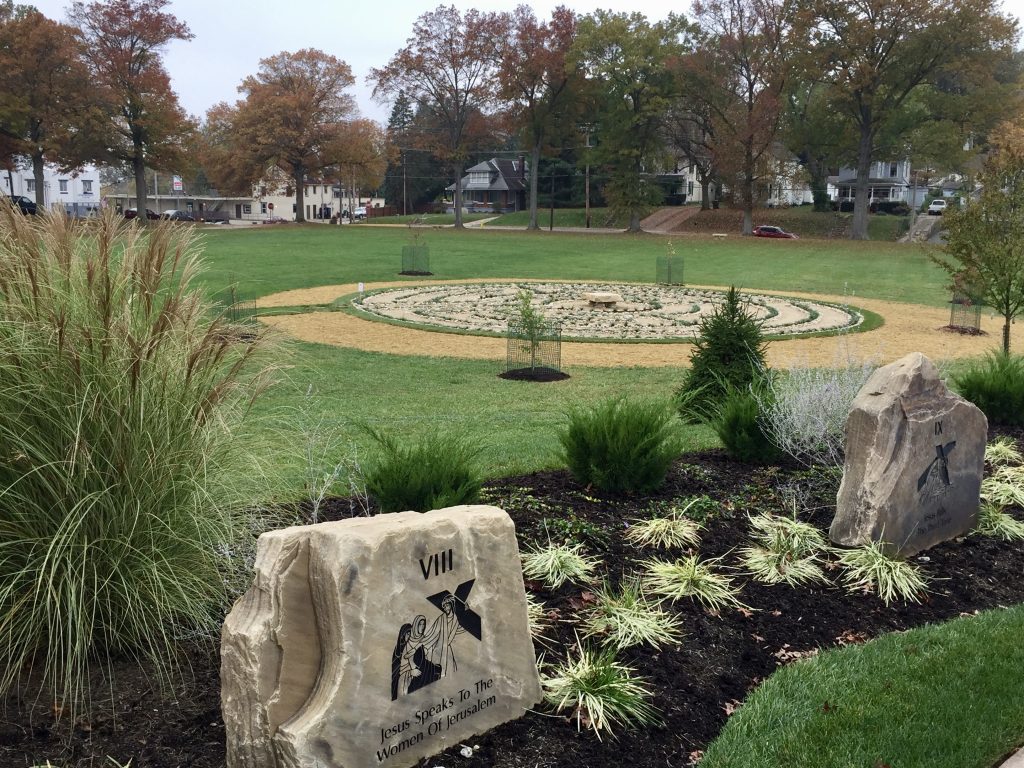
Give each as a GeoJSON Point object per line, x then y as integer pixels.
{"type": "Point", "coordinates": [942, 460]}
{"type": "Point", "coordinates": [468, 619]}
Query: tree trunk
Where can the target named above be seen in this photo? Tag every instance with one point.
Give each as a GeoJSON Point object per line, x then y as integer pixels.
{"type": "Point", "coordinates": [37, 174]}
{"type": "Point", "coordinates": [298, 176]}
{"type": "Point", "coordinates": [458, 195]}
{"type": "Point", "coordinates": [819, 185]}
{"type": "Point", "coordinates": [748, 192]}
{"type": "Point", "coordinates": [863, 184]}
{"type": "Point", "coordinates": [141, 198]}
{"type": "Point", "coordinates": [705, 191]}
{"type": "Point", "coordinates": [1006, 335]}
{"type": "Point", "coordinates": [534, 167]}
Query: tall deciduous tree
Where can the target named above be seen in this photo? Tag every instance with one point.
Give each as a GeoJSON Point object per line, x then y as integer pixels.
{"type": "Point", "coordinates": [123, 40]}
{"type": "Point", "coordinates": [877, 53]}
{"type": "Point", "coordinates": [448, 66]}
{"type": "Point", "coordinates": [986, 239]}
{"type": "Point", "coordinates": [360, 155]}
{"type": "Point", "coordinates": [48, 112]}
{"type": "Point", "coordinates": [537, 79]}
{"type": "Point", "coordinates": [741, 73]}
{"type": "Point", "coordinates": [629, 59]}
{"type": "Point", "coordinates": [294, 117]}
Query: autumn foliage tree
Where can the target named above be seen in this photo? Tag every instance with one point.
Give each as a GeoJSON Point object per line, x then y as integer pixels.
{"type": "Point", "coordinates": [48, 113]}
{"type": "Point", "coordinates": [123, 41]}
{"type": "Point", "coordinates": [293, 117]}
{"type": "Point", "coordinates": [739, 75]}
{"type": "Point", "coordinates": [876, 54]}
{"type": "Point", "coordinates": [447, 66]}
{"type": "Point", "coordinates": [537, 79]}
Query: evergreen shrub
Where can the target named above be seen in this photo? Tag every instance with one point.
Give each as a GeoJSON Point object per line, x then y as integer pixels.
{"type": "Point", "coordinates": [620, 445]}
{"type": "Point", "coordinates": [729, 354]}
{"type": "Point", "coordinates": [435, 472]}
{"type": "Point", "coordinates": [996, 386]}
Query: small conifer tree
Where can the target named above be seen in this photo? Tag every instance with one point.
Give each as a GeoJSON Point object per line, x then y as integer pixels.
{"type": "Point", "coordinates": [729, 354]}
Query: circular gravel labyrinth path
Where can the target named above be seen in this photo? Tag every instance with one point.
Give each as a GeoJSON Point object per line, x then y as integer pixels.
{"type": "Point", "coordinates": [907, 328]}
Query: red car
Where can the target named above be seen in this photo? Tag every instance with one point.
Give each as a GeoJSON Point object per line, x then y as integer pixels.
{"type": "Point", "coordinates": [766, 231]}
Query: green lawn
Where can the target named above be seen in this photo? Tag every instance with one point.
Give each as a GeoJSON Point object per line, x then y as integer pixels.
{"type": "Point", "coordinates": [944, 696]}
{"type": "Point", "coordinates": [417, 395]}
{"type": "Point", "coordinates": [265, 260]}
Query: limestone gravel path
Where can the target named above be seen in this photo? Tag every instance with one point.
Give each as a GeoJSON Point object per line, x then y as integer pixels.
{"type": "Point", "coordinates": [907, 328]}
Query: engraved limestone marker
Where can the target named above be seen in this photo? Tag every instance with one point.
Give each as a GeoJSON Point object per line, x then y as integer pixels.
{"type": "Point", "coordinates": [377, 641]}
{"type": "Point", "coordinates": [915, 454]}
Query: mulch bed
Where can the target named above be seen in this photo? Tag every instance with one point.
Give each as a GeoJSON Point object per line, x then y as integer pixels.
{"type": "Point", "coordinates": [696, 685]}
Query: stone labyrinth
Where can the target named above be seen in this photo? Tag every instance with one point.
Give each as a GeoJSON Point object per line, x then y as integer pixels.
{"type": "Point", "coordinates": [644, 312]}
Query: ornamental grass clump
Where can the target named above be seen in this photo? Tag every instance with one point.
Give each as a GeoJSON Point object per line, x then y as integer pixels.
{"type": "Point", "coordinates": [624, 617]}
{"type": "Point", "coordinates": [689, 577]}
{"type": "Point", "coordinates": [433, 472]}
{"type": "Point", "coordinates": [869, 569]}
{"type": "Point", "coordinates": [1004, 487]}
{"type": "Point", "coordinates": [120, 473]}
{"type": "Point", "coordinates": [1003, 450]}
{"type": "Point", "coordinates": [994, 521]}
{"type": "Point", "coordinates": [785, 551]}
{"type": "Point", "coordinates": [601, 692]}
{"type": "Point", "coordinates": [556, 564]}
{"type": "Point", "coordinates": [673, 531]}
{"type": "Point", "coordinates": [620, 445]}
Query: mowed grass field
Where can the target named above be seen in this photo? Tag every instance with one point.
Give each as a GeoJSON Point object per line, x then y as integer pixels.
{"type": "Point", "coordinates": [515, 423]}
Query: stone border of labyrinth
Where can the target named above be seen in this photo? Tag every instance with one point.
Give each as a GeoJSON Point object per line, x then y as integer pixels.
{"type": "Point", "coordinates": [637, 312]}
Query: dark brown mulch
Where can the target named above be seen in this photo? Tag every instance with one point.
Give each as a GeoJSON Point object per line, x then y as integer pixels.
{"type": "Point", "coordinates": [540, 373]}
{"type": "Point", "coordinates": [722, 657]}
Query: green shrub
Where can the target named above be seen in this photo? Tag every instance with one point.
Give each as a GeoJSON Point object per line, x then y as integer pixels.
{"type": "Point", "coordinates": [435, 472]}
{"type": "Point", "coordinates": [119, 474]}
{"type": "Point", "coordinates": [620, 445]}
{"type": "Point", "coordinates": [996, 386]}
{"type": "Point", "coordinates": [728, 354]}
{"type": "Point", "coordinates": [740, 426]}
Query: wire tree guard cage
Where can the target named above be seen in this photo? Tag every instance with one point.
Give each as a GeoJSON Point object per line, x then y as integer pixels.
{"type": "Point", "coordinates": [964, 313]}
{"type": "Point", "coordinates": [416, 260]}
{"type": "Point", "coordinates": [534, 353]}
{"type": "Point", "coordinates": [669, 270]}
{"type": "Point", "coordinates": [235, 309]}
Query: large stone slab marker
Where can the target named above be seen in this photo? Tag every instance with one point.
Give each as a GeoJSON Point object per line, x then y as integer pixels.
{"type": "Point", "coordinates": [377, 641]}
{"type": "Point", "coordinates": [915, 456]}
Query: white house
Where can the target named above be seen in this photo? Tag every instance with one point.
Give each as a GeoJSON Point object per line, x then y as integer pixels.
{"type": "Point", "coordinates": [889, 180]}
{"type": "Point", "coordinates": [78, 191]}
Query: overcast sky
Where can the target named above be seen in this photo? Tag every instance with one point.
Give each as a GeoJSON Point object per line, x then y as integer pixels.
{"type": "Point", "coordinates": [231, 37]}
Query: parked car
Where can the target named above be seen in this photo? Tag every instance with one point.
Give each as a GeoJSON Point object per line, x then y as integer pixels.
{"type": "Point", "coordinates": [937, 207]}
{"type": "Point", "coordinates": [178, 216]}
{"type": "Point", "coordinates": [767, 231]}
{"type": "Point", "coordinates": [24, 204]}
{"type": "Point", "coordinates": [359, 213]}
{"type": "Point", "coordinates": [132, 213]}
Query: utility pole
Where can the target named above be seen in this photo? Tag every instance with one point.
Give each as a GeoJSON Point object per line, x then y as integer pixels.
{"type": "Point", "coordinates": [405, 192]}
{"type": "Point", "coordinates": [551, 222]}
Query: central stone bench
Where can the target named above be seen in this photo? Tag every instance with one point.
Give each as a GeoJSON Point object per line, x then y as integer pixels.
{"type": "Point", "coordinates": [602, 299]}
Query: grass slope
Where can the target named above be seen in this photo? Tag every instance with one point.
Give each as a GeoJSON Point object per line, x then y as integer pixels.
{"type": "Point", "coordinates": [945, 696]}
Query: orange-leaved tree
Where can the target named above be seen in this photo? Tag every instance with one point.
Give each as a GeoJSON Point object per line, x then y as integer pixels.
{"type": "Point", "coordinates": [123, 41]}
{"type": "Point", "coordinates": [294, 115]}
{"type": "Point", "coordinates": [448, 66]}
{"type": "Point", "coordinates": [538, 82]}
{"type": "Point", "coordinates": [49, 112]}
